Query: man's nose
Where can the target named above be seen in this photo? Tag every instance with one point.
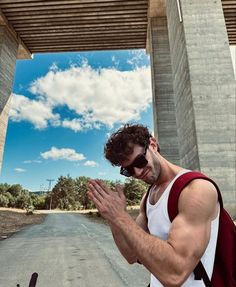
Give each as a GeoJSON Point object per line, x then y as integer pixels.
{"type": "Point", "coordinates": [138, 171]}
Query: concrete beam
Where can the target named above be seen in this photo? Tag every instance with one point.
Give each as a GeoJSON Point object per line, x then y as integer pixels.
{"type": "Point", "coordinates": [204, 89]}
{"type": "Point", "coordinates": [23, 51]}
{"type": "Point", "coordinates": [156, 8]}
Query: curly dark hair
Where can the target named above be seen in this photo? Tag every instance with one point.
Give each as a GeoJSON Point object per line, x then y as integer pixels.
{"type": "Point", "coordinates": [120, 144]}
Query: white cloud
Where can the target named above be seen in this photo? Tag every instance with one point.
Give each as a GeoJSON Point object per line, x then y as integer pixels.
{"type": "Point", "coordinates": [32, 161]}
{"type": "Point", "coordinates": [97, 97]}
{"type": "Point", "coordinates": [74, 124]}
{"type": "Point", "coordinates": [91, 163]}
{"type": "Point", "coordinates": [18, 169]}
{"type": "Point", "coordinates": [63, 153]}
{"type": "Point", "coordinates": [39, 113]}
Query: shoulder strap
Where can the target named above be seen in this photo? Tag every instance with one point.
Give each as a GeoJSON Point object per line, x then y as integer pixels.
{"type": "Point", "coordinates": [145, 200]}
{"type": "Point", "coordinates": [180, 183]}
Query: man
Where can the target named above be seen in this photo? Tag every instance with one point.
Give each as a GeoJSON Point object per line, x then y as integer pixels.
{"type": "Point", "coordinates": [170, 251]}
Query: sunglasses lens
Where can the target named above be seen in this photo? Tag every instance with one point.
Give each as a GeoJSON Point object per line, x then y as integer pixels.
{"type": "Point", "coordinates": [126, 172]}
{"type": "Point", "coordinates": [139, 162]}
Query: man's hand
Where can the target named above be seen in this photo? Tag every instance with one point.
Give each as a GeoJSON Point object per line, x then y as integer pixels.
{"type": "Point", "coordinates": [110, 204]}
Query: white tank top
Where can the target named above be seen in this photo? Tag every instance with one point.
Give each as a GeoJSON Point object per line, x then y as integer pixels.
{"type": "Point", "coordinates": [159, 225]}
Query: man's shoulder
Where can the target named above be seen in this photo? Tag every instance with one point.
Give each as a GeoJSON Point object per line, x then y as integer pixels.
{"type": "Point", "coordinates": [199, 196]}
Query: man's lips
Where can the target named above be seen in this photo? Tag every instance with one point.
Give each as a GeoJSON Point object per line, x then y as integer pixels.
{"type": "Point", "coordinates": [145, 174]}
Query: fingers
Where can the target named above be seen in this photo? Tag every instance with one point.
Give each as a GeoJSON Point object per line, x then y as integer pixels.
{"type": "Point", "coordinates": [119, 190]}
{"type": "Point", "coordinates": [94, 199]}
{"type": "Point", "coordinates": [96, 191]}
{"type": "Point", "coordinates": [94, 195]}
{"type": "Point", "coordinates": [103, 186]}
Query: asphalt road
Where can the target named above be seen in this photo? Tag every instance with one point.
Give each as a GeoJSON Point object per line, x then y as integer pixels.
{"type": "Point", "coordinates": [67, 250]}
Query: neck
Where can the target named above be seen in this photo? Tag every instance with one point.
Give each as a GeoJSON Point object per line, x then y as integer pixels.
{"type": "Point", "coordinates": [167, 172]}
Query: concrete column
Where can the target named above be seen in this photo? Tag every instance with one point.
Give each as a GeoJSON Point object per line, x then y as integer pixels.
{"type": "Point", "coordinates": [162, 89]}
{"type": "Point", "coordinates": [204, 87]}
{"type": "Point", "coordinates": [8, 54]}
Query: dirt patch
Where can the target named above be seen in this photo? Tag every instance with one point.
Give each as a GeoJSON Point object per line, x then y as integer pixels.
{"type": "Point", "coordinates": [12, 220]}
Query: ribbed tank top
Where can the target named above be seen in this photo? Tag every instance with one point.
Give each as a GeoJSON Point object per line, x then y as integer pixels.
{"type": "Point", "coordinates": [159, 225]}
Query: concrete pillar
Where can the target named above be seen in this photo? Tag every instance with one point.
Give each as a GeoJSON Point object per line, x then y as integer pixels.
{"type": "Point", "coordinates": [8, 54]}
{"type": "Point", "coordinates": [162, 89]}
{"type": "Point", "coordinates": [204, 87]}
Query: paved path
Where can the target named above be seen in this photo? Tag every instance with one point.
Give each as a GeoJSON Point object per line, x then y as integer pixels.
{"type": "Point", "coordinates": [67, 250]}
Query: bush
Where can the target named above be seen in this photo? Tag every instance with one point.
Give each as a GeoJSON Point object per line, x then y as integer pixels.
{"type": "Point", "coordinates": [23, 200]}
{"type": "Point", "coordinates": [4, 201]}
{"type": "Point", "coordinates": [29, 210]}
{"type": "Point", "coordinates": [38, 201]}
{"type": "Point", "coordinates": [11, 199]}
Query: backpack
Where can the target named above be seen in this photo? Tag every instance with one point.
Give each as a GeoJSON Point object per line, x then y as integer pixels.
{"type": "Point", "coordinates": [224, 271]}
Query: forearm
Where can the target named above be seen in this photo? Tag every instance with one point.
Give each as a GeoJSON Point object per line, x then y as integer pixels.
{"type": "Point", "coordinates": [155, 254]}
{"type": "Point", "coordinates": [124, 247]}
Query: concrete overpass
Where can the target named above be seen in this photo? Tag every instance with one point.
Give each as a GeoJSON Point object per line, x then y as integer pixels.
{"type": "Point", "coordinates": [192, 74]}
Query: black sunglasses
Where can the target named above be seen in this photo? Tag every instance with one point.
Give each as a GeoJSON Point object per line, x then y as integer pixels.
{"type": "Point", "coordinates": [140, 161]}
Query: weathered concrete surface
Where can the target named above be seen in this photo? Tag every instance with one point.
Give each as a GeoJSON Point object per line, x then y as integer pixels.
{"type": "Point", "coordinates": [8, 54]}
{"type": "Point", "coordinates": [204, 87]}
{"type": "Point", "coordinates": [3, 128]}
{"type": "Point", "coordinates": [162, 90]}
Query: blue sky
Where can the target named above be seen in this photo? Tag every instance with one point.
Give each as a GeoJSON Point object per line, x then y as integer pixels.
{"type": "Point", "coordinates": [64, 106]}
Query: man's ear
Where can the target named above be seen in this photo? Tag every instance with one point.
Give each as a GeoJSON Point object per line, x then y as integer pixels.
{"type": "Point", "coordinates": [154, 144]}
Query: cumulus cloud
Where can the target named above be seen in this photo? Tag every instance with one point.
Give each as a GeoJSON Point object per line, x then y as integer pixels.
{"type": "Point", "coordinates": [18, 169]}
{"type": "Point", "coordinates": [97, 97]}
{"type": "Point", "coordinates": [91, 163]}
{"type": "Point", "coordinates": [63, 154]}
{"type": "Point", "coordinates": [39, 113]}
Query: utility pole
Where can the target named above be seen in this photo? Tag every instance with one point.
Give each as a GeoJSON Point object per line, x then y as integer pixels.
{"type": "Point", "coordinates": [49, 190]}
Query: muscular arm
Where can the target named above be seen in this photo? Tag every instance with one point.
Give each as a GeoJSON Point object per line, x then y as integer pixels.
{"type": "Point", "coordinates": [123, 245]}
{"type": "Point", "coordinates": [119, 202]}
{"type": "Point", "coordinates": [173, 260]}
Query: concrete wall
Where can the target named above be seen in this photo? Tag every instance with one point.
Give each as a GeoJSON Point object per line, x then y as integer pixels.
{"type": "Point", "coordinates": [162, 90]}
{"type": "Point", "coordinates": [204, 87]}
{"type": "Point", "coordinates": [8, 53]}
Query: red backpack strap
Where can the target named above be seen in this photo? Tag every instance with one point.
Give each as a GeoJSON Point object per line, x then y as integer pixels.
{"type": "Point", "coordinates": [180, 183]}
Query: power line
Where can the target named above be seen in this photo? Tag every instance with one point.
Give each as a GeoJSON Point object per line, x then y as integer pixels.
{"type": "Point", "coordinates": [50, 183]}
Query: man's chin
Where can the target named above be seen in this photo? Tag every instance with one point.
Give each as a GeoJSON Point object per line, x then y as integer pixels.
{"type": "Point", "coordinates": [149, 180]}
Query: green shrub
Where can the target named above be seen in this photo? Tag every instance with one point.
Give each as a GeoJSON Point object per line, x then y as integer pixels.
{"type": "Point", "coordinates": [4, 201]}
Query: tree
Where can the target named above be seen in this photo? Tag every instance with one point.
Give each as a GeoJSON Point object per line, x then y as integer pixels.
{"type": "Point", "coordinates": [38, 201]}
{"type": "Point", "coordinates": [64, 194]}
{"type": "Point", "coordinates": [134, 190]}
{"type": "Point", "coordinates": [15, 189]}
{"type": "Point", "coordinates": [3, 200]}
{"type": "Point", "coordinates": [4, 187]}
{"type": "Point", "coordinates": [11, 199]}
{"type": "Point", "coordinates": [23, 199]}
{"type": "Point", "coordinates": [81, 184]}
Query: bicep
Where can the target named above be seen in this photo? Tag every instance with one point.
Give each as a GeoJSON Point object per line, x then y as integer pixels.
{"type": "Point", "coordinates": [189, 240]}
{"type": "Point", "coordinates": [191, 229]}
